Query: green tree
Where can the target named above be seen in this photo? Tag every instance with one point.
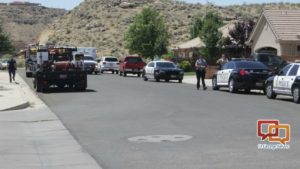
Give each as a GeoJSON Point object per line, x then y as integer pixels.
{"type": "Point", "coordinates": [196, 26]}
{"type": "Point", "coordinates": [210, 35]}
{"type": "Point", "coordinates": [148, 35]}
{"type": "Point", "coordinates": [5, 43]}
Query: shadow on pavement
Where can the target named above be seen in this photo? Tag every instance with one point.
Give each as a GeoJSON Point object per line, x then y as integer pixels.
{"type": "Point", "coordinates": [136, 77]}
{"type": "Point", "coordinates": [67, 90]}
{"type": "Point", "coordinates": [285, 99]}
{"type": "Point", "coordinates": [241, 92]}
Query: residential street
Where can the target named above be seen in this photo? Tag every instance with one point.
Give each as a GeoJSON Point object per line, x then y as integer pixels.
{"type": "Point", "coordinates": [222, 125]}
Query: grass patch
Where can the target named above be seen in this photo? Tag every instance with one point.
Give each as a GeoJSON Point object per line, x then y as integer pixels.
{"type": "Point", "coordinates": [190, 73]}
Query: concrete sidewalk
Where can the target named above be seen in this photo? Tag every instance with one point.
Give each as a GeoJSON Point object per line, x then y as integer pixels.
{"type": "Point", "coordinates": [11, 95]}
{"type": "Point", "coordinates": [34, 138]}
{"type": "Point", "coordinates": [193, 80]}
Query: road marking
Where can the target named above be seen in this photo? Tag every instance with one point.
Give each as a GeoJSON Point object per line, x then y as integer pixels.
{"type": "Point", "coordinates": [160, 138]}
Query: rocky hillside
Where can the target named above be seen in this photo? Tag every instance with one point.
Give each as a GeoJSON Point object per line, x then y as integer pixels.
{"type": "Point", "coordinates": [26, 22]}
{"type": "Point", "coordinates": [102, 23]}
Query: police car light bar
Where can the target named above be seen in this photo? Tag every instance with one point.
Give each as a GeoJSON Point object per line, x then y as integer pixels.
{"type": "Point", "coordinates": [242, 59]}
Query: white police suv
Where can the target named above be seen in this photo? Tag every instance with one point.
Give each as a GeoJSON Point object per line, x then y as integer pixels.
{"type": "Point", "coordinates": [287, 82]}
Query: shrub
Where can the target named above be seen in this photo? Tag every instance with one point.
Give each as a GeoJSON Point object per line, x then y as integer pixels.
{"type": "Point", "coordinates": [6, 57]}
{"type": "Point", "coordinates": [20, 63]}
{"type": "Point", "coordinates": [185, 65]}
{"type": "Point", "coordinates": [168, 56]}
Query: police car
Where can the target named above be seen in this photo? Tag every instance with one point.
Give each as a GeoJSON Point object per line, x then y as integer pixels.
{"type": "Point", "coordinates": [287, 82]}
{"type": "Point", "coordinates": [241, 74]}
{"type": "Point", "coordinates": [166, 70]}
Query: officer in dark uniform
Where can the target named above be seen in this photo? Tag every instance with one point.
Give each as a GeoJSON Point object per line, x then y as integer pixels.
{"type": "Point", "coordinates": [12, 67]}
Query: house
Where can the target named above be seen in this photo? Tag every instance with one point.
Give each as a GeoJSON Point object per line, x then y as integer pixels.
{"type": "Point", "coordinates": [278, 32]}
{"type": "Point", "coordinates": [185, 50]}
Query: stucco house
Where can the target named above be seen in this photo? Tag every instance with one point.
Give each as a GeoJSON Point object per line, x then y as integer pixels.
{"type": "Point", "coordinates": [186, 49]}
{"type": "Point", "coordinates": [277, 31]}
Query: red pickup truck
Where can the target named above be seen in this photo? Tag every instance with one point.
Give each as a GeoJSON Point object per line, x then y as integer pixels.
{"type": "Point", "coordinates": [133, 65]}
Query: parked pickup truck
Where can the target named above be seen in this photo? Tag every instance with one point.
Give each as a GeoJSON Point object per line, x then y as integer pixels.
{"type": "Point", "coordinates": [132, 65]}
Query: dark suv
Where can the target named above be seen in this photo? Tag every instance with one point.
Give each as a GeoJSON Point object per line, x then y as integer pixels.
{"type": "Point", "coordinates": [273, 61]}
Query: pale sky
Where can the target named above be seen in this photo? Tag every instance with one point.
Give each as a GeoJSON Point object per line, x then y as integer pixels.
{"type": "Point", "coordinates": [70, 4]}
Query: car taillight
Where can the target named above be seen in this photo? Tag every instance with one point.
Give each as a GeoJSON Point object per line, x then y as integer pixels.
{"type": "Point", "coordinates": [243, 72]}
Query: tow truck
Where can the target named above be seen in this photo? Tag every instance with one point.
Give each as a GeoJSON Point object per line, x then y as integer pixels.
{"type": "Point", "coordinates": [30, 59]}
{"type": "Point", "coordinates": [58, 67]}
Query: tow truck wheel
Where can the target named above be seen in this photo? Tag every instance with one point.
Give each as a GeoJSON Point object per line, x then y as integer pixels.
{"type": "Point", "coordinates": [296, 94]}
{"type": "Point", "coordinates": [34, 83]}
{"type": "Point", "coordinates": [28, 74]}
{"type": "Point", "coordinates": [269, 91]}
{"type": "Point", "coordinates": [37, 86]}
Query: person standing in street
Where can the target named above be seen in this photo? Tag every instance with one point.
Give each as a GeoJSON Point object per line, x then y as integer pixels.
{"type": "Point", "coordinates": [200, 67]}
{"type": "Point", "coordinates": [222, 61]}
{"type": "Point", "coordinates": [12, 67]}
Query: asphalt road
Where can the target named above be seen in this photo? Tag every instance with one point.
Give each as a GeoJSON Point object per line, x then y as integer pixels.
{"type": "Point", "coordinates": [222, 125]}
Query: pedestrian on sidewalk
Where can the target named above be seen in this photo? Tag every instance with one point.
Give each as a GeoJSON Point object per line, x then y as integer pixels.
{"type": "Point", "coordinates": [200, 67]}
{"type": "Point", "coordinates": [12, 67]}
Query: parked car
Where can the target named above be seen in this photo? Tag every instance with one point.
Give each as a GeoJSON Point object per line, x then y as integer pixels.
{"type": "Point", "coordinates": [4, 64]}
{"type": "Point", "coordinates": [287, 82]}
{"type": "Point", "coordinates": [272, 61]}
{"type": "Point", "coordinates": [90, 65]}
{"type": "Point", "coordinates": [133, 65]}
{"type": "Point", "coordinates": [109, 63]}
{"type": "Point", "coordinates": [163, 70]}
{"type": "Point", "coordinates": [241, 74]}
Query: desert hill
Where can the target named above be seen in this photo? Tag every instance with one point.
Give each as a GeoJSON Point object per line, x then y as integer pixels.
{"type": "Point", "coordinates": [25, 21]}
{"type": "Point", "coordinates": [102, 23]}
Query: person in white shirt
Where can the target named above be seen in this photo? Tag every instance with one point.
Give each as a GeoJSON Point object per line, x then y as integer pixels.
{"type": "Point", "coordinates": [222, 61]}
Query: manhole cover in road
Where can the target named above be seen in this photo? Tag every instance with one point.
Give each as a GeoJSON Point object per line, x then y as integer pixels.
{"type": "Point", "coordinates": [160, 138]}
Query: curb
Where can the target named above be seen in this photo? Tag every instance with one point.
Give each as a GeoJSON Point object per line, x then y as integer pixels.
{"type": "Point", "coordinates": [18, 107]}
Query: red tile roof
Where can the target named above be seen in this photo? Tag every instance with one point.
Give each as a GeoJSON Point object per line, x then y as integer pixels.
{"type": "Point", "coordinates": [284, 23]}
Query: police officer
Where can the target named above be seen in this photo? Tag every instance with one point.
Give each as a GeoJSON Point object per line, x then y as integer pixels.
{"type": "Point", "coordinates": [12, 67]}
{"type": "Point", "coordinates": [200, 67]}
